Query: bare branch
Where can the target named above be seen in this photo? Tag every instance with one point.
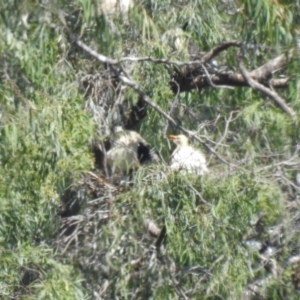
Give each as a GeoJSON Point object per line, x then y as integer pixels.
{"type": "Point", "coordinates": [268, 69]}
{"type": "Point", "coordinates": [228, 79]}
{"type": "Point", "coordinates": [207, 57]}
{"type": "Point", "coordinates": [263, 74]}
{"type": "Point", "coordinates": [272, 94]}
{"type": "Point", "coordinates": [226, 129]}
{"type": "Point", "coordinates": [215, 51]}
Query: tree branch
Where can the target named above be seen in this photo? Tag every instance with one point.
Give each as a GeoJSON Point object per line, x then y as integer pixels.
{"type": "Point", "coordinates": [272, 94]}
{"type": "Point", "coordinates": [207, 57]}
{"type": "Point", "coordinates": [218, 49]}
{"type": "Point", "coordinates": [267, 70]}
{"type": "Point", "coordinates": [185, 83]}
{"type": "Point", "coordinates": [189, 78]}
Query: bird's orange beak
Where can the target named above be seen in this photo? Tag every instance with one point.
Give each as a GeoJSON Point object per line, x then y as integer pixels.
{"type": "Point", "coordinates": [172, 137]}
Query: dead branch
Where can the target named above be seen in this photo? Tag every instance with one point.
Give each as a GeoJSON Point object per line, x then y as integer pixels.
{"type": "Point", "coordinates": [215, 51]}
{"type": "Point", "coordinates": [188, 79]}
{"type": "Point", "coordinates": [204, 59]}
{"type": "Point", "coordinates": [263, 74]}
{"type": "Point", "coordinates": [228, 121]}
{"type": "Point", "coordinates": [266, 70]}
{"type": "Point", "coordinates": [272, 94]}
{"type": "Point", "coordinates": [186, 84]}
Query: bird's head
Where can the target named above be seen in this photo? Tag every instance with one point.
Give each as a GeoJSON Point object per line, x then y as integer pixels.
{"type": "Point", "coordinates": [180, 140]}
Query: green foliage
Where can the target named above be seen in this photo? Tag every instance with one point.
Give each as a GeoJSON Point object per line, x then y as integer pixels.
{"type": "Point", "coordinates": [198, 234]}
{"type": "Point", "coordinates": [43, 142]}
{"type": "Point", "coordinates": [266, 21]}
{"type": "Point", "coordinates": [45, 132]}
{"type": "Point", "coordinates": [52, 280]}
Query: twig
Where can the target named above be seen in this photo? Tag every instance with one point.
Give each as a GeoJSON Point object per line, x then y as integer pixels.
{"type": "Point", "coordinates": [234, 79]}
{"type": "Point", "coordinates": [289, 162]}
{"type": "Point", "coordinates": [199, 194]}
{"type": "Point", "coordinates": [281, 176]}
{"type": "Point", "coordinates": [225, 130]}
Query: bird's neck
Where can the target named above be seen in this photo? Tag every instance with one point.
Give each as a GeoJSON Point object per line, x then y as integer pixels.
{"type": "Point", "coordinates": [181, 146]}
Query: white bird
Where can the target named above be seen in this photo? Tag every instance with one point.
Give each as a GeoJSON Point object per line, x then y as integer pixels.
{"type": "Point", "coordinates": [109, 7]}
{"type": "Point", "coordinates": [128, 151]}
{"type": "Point", "coordinates": [187, 158]}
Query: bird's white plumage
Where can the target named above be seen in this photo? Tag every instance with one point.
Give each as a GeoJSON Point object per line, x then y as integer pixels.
{"type": "Point", "coordinates": [187, 158]}
{"type": "Point", "coordinates": [123, 155]}
{"type": "Point", "coordinates": [109, 7]}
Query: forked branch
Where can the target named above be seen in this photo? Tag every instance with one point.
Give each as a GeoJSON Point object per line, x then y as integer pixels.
{"type": "Point", "coordinates": [266, 91]}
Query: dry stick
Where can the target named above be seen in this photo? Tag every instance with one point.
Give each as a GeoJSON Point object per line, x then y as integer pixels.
{"type": "Point", "coordinates": [255, 85]}
{"type": "Point", "coordinates": [131, 83]}
{"type": "Point", "coordinates": [199, 194]}
{"type": "Point", "coordinates": [225, 130]}
{"type": "Point", "coordinates": [100, 180]}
